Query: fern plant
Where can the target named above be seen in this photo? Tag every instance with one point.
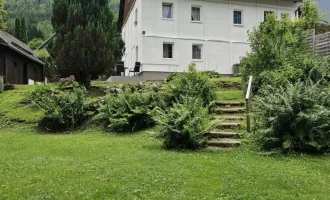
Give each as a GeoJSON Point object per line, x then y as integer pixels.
{"type": "Point", "coordinates": [185, 124]}
{"type": "Point", "coordinates": [65, 110]}
{"type": "Point", "coordinates": [294, 117]}
{"type": "Point", "coordinates": [128, 112]}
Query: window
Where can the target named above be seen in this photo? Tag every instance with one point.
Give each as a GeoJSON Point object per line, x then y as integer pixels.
{"type": "Point", "coordinates": [195, 14]}
{"type": "Point", "coordinates": [267, 13]}
{"type": "Point", "coordinates": [238, 17]}
{"type": "Point", "coordinates": [137, 54]}
{"type": "Point", "coordinates": [167, 50]}
{"type": "Point", "coordinates": [197, 52]}
{"type": "Point", "coordinates": [167, 11]}
{"type": "Point", "coordinates": [136, 17]}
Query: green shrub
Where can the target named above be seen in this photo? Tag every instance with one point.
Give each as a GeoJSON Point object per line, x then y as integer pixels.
{"type": "Point", "coordinates": [40, 92]}
{"type": "Point", "coordinates": [50, 69]}
{"type": "Point", "coordinates": [279, 49]}
{"type": "Point", "coordinates": [172, 76]}
{"type": "Point", "coordinates": [190, 84]}
{"type": "Point", "coordinates": [212, 74]}
{"type": "Point", "coordinates": [294, 118]}
{"type": "Point", "coordinates": [65, 110]}
{"type": "Point", "coordinates": [128, 112]}
{"type": "Point", "coordinates": [35, 43]}
{"type": "Point", "coordinates": [184, 125]}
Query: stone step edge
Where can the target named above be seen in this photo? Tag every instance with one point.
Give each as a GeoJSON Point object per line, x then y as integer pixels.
{"type": "Point", "coordinates": [224, 103]}
{"type": "Point", "coordinates": [216, 134]}
{"type": "Point", "coordinates": [223, 143]}
{"type": "Point", "coordinates": [231, 118]}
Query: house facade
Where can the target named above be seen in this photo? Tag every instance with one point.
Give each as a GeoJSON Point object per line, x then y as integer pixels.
{"type": "Point", "coordinates": [168, 35]}
{"type": "Point", "coordinates": [18, 63]}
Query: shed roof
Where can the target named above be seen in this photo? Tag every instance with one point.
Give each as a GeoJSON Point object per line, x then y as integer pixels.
{"type": "Point", "coordinates": [18, 46]}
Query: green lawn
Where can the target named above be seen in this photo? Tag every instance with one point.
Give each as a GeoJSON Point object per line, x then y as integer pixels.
{"type": "Point", "coordinates": [90, 163]}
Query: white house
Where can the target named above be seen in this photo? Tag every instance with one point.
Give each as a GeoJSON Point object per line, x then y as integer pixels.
{"type": "Point", "coordinates": [168, 35]}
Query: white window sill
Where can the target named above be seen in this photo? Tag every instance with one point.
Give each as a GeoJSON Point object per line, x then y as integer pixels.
{"type": "Point", "coordinates": [168, 19]}
{"type": "Point", "coordinates": [239, 25]}
{"type": "Point", "coordinates": [198, 22]}
{"type": "Point", "coordinates": [197, 60]}
{"type": "Point", "coordinates": [168, 58]}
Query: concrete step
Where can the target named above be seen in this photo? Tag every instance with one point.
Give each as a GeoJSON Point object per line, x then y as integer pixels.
{"type": "Point", "coordinates": [232, 104]}
{"type": "Point", "coordinates": [230, 110]}
{"type": "Point", "coordinates": [224, 143]}
{"type": "Point", "coordinates": [230, 118]}
{"type": "Point", "coordinates": [216, 134]}
{"type": "Point", "coordinates": [229, 125]}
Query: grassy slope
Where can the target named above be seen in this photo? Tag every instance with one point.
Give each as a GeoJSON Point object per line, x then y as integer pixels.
{"type": "Point", "coordinates": [92, 164]}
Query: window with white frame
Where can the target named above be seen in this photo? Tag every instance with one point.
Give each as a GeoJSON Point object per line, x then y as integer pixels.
{"type": "Point", "coordinates": [167, 10]}
{"type": "Point", "coordinates": [238, 17]}
{"type": "Point", "coordinates": [197, 52]}
{"type": "Point", "coordinates": [196, 14]}
{"type": "Point", "coordinates": [167, 50]}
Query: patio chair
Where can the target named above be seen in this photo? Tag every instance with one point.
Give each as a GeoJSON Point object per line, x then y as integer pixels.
{"type": "Point", "coordinates": [136, 68]}
{"type": "Point", "coordinates": [120, 68]}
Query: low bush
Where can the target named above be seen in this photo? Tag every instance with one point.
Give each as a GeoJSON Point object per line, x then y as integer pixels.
{"type": "Point", "coordinates": [184, 125]}
{"type": "Point", "coordinates": [190, 84]}
{"type": "Point", "coordinates": [294, 118]}
{"type": "Point", "coordinates": [128, 112]}
{"type": "Point", "coordinates": [40, 92]}
{"type": "Point", "coordinates": [212, 74]}
{"type": "Point", "coordinates": [65, 110]}
{"type": "Point", "coordinates": [171, 77]}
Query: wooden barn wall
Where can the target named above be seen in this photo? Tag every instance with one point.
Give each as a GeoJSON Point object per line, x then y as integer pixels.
{"type": "Point", "coordinates": [15, 69]}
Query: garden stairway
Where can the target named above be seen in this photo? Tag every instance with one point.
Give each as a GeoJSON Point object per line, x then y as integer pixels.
{"type": "Point", "coordinates": [227, 133]}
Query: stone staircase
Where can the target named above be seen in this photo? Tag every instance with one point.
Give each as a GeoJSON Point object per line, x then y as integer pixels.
{"type": "Point", "coordinates": [227, 134]}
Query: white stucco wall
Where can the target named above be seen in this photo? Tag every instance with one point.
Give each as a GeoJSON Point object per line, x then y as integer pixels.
{"type": "Point", "coordinates": [223, 43]}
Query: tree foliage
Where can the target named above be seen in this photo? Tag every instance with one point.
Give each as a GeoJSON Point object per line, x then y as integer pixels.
{"type": "Point", "coordinates": [3, 16]}
{"type": "Point", "coordinates": [35, 43]}
{"type": "Point", "coordinates": [87, 41]}
{"type": "Point", "coordinates": [279, 50]}
{"type": "Point", "coordinates": [17, 28]}
{"type": "Point", "coordinates": [37, 14]}
{"type": "Point", "coordinates": [23, 31]}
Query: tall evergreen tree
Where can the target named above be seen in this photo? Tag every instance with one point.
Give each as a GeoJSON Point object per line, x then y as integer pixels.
{"type": "Point", "coordinates": [87, 41]}
{"type": "Point", "coordinates": [23, 31]}
{"type": "Point", "coordinates": [17, 28]}
{"type": "Point", "coordinates": [3, 16]}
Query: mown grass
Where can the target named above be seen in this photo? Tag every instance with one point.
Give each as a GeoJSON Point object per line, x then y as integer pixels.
{"type": "Point", "coordinates": [90, 163]}
{"type": "Point", "coordinates": [12, 106]}
{"type": "Point", "coordinates": [230, 95]}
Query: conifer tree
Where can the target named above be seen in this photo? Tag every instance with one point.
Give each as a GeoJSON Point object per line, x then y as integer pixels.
{"type": "Point", "coordinates": [17, 28]}
{"type": "Point", "coordinates": [3, 15]}
{"type": "Point", "coordinates": [86, 40]}
{"type": "Point", "coordinates": [23, 31]}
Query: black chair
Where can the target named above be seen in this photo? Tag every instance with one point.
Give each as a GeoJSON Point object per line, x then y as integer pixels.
{"type": "Point", "coordinates": [120, 68]}
{"type": "Point", "coordinates": [136, 68]}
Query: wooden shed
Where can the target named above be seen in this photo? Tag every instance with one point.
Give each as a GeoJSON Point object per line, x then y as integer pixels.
{"type": "Point", "coordinates": [18, 63]}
